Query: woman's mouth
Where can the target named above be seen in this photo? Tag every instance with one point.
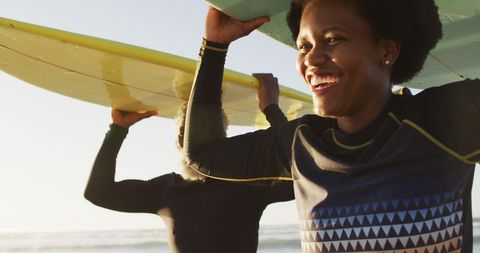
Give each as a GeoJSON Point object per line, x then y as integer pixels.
{"type": "Point", "coordinates": [323, 81]}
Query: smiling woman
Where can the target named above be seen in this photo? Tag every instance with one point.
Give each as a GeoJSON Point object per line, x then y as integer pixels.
{"type": "Point", "coordinates": [342, 78]}
{"type": "Point", "coordinates": [373, 170]}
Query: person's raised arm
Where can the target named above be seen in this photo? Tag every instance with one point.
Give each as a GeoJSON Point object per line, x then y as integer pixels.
{"type": "Point", "coordinates": [241, 158]}
{"type": "Point", "coordinates": [204, 107]}
{"type": "Point", "coordinates": [102, 190]}
{"type": "Point", "coordinates": [267, 95]}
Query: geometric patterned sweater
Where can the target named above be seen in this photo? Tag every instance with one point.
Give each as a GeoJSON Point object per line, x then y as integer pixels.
{"type": "Point", "coordinates": [402, 184]}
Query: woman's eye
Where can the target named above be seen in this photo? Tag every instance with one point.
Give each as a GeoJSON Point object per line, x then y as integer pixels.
{"type": "Point", "coordinates": [333, 40]}
{"type": "Point", "coordinates": [303, 47]}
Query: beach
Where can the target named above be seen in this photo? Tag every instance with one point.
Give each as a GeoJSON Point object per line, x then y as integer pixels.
{"type": "Point", "coordinates": [284, 238]}
{"type": "Point", "coordinates": [279, 239]}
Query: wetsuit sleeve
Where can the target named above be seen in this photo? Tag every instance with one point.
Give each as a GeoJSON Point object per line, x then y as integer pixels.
{"type": "Point", "coordinates": [127, 195]}
{"type": "Point", "coordinates": [274, 115]}
{"type": "Point", "coordinates": [282, 191]}
{"type": "Point", "coordinates": [257, 156]}
{"type": "Point", "coordinates": [453, 117]}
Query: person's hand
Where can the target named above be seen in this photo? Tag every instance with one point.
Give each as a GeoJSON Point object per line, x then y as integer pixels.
{"type": "Point", "coordinates": [268, 91]}
{"type": "Point", "coordinates": [221, 28]}
{"type": "Point", "coordinates": [126, 119]}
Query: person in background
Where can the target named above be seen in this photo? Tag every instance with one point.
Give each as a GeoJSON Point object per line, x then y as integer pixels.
{"type": "Point", "coordinates": [201, 214]}
{"type": "Point", "coordinates": [373, 171]}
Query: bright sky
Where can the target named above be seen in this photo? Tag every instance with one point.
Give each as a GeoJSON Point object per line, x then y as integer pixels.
{"type": "Point", "coordinates": [49, 141]}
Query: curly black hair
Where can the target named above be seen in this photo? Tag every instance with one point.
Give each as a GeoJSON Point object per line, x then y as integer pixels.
{"type": "Point", "coordinates": [187, 172]}
{"type": "Point", "coordinates": [415, 24]}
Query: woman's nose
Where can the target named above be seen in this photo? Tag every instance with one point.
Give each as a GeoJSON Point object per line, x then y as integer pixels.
{"type": "Point", "coordinates": [316, 57]}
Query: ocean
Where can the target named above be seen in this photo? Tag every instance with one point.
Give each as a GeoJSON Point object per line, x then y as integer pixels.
{"type": "Point", "coordinates": [279, 239]}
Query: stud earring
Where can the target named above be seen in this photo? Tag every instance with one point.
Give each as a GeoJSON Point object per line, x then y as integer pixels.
{"type": "Point", "coordinates": [387, 62]}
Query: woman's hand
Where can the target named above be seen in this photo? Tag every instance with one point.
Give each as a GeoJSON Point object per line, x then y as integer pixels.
{"type": "Point", "coordinates": [268, 91]}
{"type": "Point", "coordinates": [223, 29]}
{"type": "Point", "coordinates": [126, 119]}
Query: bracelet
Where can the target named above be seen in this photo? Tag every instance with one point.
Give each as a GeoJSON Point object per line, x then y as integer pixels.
{"type": "Point", "coordinates": [218, 47]}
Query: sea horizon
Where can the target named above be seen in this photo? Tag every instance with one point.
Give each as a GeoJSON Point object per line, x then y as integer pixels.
{"type": "Point", "coordinates": [272, 238]}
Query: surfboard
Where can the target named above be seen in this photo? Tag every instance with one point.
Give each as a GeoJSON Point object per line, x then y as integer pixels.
{"type": "Point", "coordinates": [124, 76]}
{"type": "Point", "coordinates": [455, 57]}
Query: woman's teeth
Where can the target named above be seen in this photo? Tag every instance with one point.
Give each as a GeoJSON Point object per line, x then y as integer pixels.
{"type": "Point", "coordinates": [323, 80]}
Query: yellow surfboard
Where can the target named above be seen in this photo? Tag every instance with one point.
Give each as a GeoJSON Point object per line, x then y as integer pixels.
{"type": "Point", "coordinates": [123, 76]}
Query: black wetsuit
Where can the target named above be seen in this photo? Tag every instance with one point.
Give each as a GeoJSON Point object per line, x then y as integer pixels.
{"type": "Point", "coordinates": [214, 216]}
{"type": "Point", "coordinates": [402, 184]}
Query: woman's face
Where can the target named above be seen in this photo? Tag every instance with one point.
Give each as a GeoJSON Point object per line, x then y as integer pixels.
{"type": "Point", "coordinates": [341, 60]}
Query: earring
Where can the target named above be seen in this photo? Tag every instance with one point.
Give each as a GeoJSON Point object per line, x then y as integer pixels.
{"type": "Point", "coordinates": [387, 62]}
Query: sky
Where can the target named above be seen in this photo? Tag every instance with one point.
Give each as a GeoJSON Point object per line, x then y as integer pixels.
{"type": "Point", "coordinates": [48, 141]}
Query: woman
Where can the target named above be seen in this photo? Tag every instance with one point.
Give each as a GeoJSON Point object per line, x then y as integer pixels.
{"type": "Point", "coordinates": [372, 170]}
{"type": "Point", "coordinates": [201, 215]}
